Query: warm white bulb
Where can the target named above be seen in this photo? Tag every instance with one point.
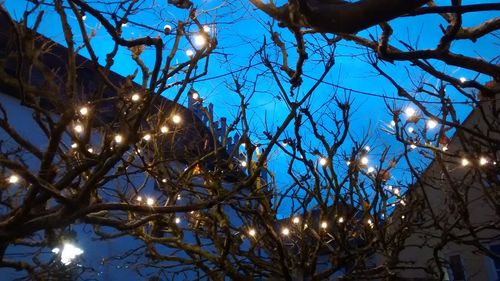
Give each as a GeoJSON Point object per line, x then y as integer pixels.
{"type": "Point", "coordinates": [364, 160]}
{"type": "Point", "coordinates": [189, 53]}
{"type": "Point", "coordinates": [78, 128]}
{"type": "Point", "coordinates": [367, 148]}
{"type": "Point", "coordinates": [118, 138]}
{"type": "Point", "coordinates": [371, 170]}
{"type": "Point", "coordinates": [74, 145]}
{"type": "Point", "coordinates": [348, 163]}
{"type": "Point", "coordinates": [463, 79]}
{"type": "Point", "coordinates": [252, 232]}
{"type": "Point", "coordinates": [69, 252]}
{"type": "Point", "coordinates": [324, 225]}
{"type": "Point", "coordinates": [341, 219]}
{"type": "Point", "coordinates": [164, 180]}
{"type": "Point", "coordinates": [396, 191]}
{"type": "Point", "coordinates": [412, 146]}
{"type": "Point", "coordinates": [370, 223]}
{"type": "Point", "coordinates": [483, 161]}
{"type": "Point", "coordinates": [136, 97]}
{"type": "Point", "coordinates": [285, 231]}
{"type": "Point", "coordinates": [138, 198]}
{"type": "Point", "coordinates": [465, 162]}
{"type": "Point", "coordinates": [164, 129]}
{"type": "Point", "coordinates": [243, 163]}
{"type": "Point", "coordinates": [90, 150]}
{"type": "Point", "coordinates": [206, 28]}
{"type": "Point", "coordinates": [84, 110]}
{"type": "Point", "coordinates": [84, 17]}
{"type": "Point", "coordinates": [200, 41]}
{"type": "Point", "coordinates": [177, 220]}
{"type": "Point", "coordinates": [176, 119]}
{"type": "Point", "coordinates": [296, 220]}
{"type": "Point", "coordinates": [323, 161]}
{"type": "Point", "coordinates": [13, 179]}
{"type": "Point", "coordinates": [431, 124]}
{"type": "Point", "coordinates": [410, 111]}
{"type": "Point", "coordinates": [150, 201]}
{"type": "Point", "coordinates": [411, 130]}
{"type": "Point", "coordinates": [445, 148]}
{"type": "Point", "coordinates": [146, 137]}
{"type": "Point", "coordinates": [393, 123]}
{"type": "Point", "coordinates": [195, 96]}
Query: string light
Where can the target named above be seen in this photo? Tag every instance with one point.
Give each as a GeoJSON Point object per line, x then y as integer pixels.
{"type": "Point", "coordinates": [190, 53]}
{"type": "Point", "coordinates": [13, 179]}
{"type": "Point", "coordinates": [68, 253]}
{"type": "Point", "coordinates": [371, 170]}
{"type": "Point", "coordinates": [296, 220]}
{"type": "Point", "coordinates": [118, 138]}
{"type": "Point", "coordinates": [199, 40]}
{"type": "Point", "coordinates": [164, 180]}
{"type": "Point", "coordinates": [176, 119]}
{"type": "Point", "coordinates": [323, 161]}
{"type": "Point", "coordinates": [179, 197]}
{"type": "Point", "coordinates": [136, 97]}
{"type": "Point", "coordinates": [146, 137]}
{"type": "Point", "coordinates": [431, 124]}
{"type": "Point", "coordinates": [348, 163]}
{"type": "Point", "coordinates": [90, 150]}
{"type": "Point", "coordinates": [465, 162]}
{"type": "Point", "coordinates": [341, 219]}
{"type": "Point", "coordinates": [411, 130]}
{"type": "Point", "coordinates": [206, 28]}
{"type": "Point", "coordinates": [243, 163]}
{"type": "Point", "coordinates": [463, 79]}
{"type": "Point", "coordinates": [164, 129]}
{"type": "Point", "coordinates": [195, 95]}
{"type": "Point", "coordinates": [84, 110]}
{"type": "Point", "coordinates": [410, 112]}
{"type": "Point", "coordinates": [78, 128]}
{"type": "Point", "coordinates": [252, 232]}
{"type": "Point", "coordinates": [367, 148]}
{"type": "Point", "coordinates": [370, 223]}
{"type": "Point", "coordinates": [177, 220]}
{"type": "Point", "coordinates": [483, 161]}
{"type": "Point", "coordinates": [324, 225]}
{"type": "Point", "coordinates": [445, 148]}
{"type": "Point", "coordinates": [74, 145]}
{"type": "Point", "coordinates": [412, 146]}
{"type": "Point", "coordinates": [393, 123]}
{"type": "Point", "coordinates": [150, 201]}
{"type": "Point", "coordinates": [364, 160]}
{"type": "Point", "coordinates": [167, 29]}
{"type": "Point", "coordinates": [285, 231]}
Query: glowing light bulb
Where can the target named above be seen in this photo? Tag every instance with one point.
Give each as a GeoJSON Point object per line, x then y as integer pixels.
{"type": "Point", "coordinates": [69, 253]}
{"type": "Point", "coordinates": [90, 150]}
{"type": "Point", "coordinates": [164, 180]}
{"type": "Point", "coordinates": [74, 145]}
{"type": "Point", "coordinates": [118, 138]}
{"type": "Point", "coordinates": [463, 79]}
{"type": "Point", "coordinates": [465, 162]}
{"type": "Point", "coordinates": [483, 161]}
{"type": "Point", "coordinates": [445, 148]}
{"type": "Point", "coordinates": [13, 179]}
{"type": "Point", "coordinates": [78, 128]}
{"type": "Point", "coordinates": [195, 95]}
{"type": "Point", "coordinates": [84, 110]}
{"type": "Point", "coordinates": [164, 129]}
{"type": "Point", "coordinates": [371, 170]}
{"type": "Point", "coordinates": [431, 124]}
{"type": "Point", "coordinates": [252, 232]}
{"type": "Point", "coordinates": [370, 223]}
{"type": "Point", "coordinates": [177, 220]}
{"type": "Point", "coordinates": [348, 163]}
{"type": "Point", "coordinates": [200, 41]}
{"type": "Point", "coordinates": [411, 130]}
{"type": "Point", "coordinates": [396, 191]}
{"type": "Point", "coordinates": [367, 148]}
{"type": "Point", "coordinates": [167, 29]}
{"type": "Point", "coordinates": [410, 112]}
{"type": "Point", "coordinates": [136, 97]}
{"type": "Point", "coordinates": [364, 160]}
{"type": "Point", "coordinates": [206, 28]}
{"type": "Point", "coordinates": [190, 53]}
{"type": "Point", "coordinates": [393, 123]}
{"type": "Point", "coordinates": [176, 119]}
{"type": "Point", "coordinates": [150, 201]}
{"type": "Point", "coordinates": [243, 163]}
{"type": "Point", "coordinates": [341, 219]}
{"type": "Point", "coordinates": [84, 17]}
{"type": "Point", "coordinates": [323, 161]}
{"type": "Point", "coordinates": [296, 220]}
{"type": "Point", "coordinates": [285, 231]}
{"type": "Point", "coordinates": [146, 137]}
{"type": "Point", "coordinates": [179, 197]}
{"type": "Point", "coordinates": [412, 146]}
{"type": "Point", "coordinates": [324, 225]}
